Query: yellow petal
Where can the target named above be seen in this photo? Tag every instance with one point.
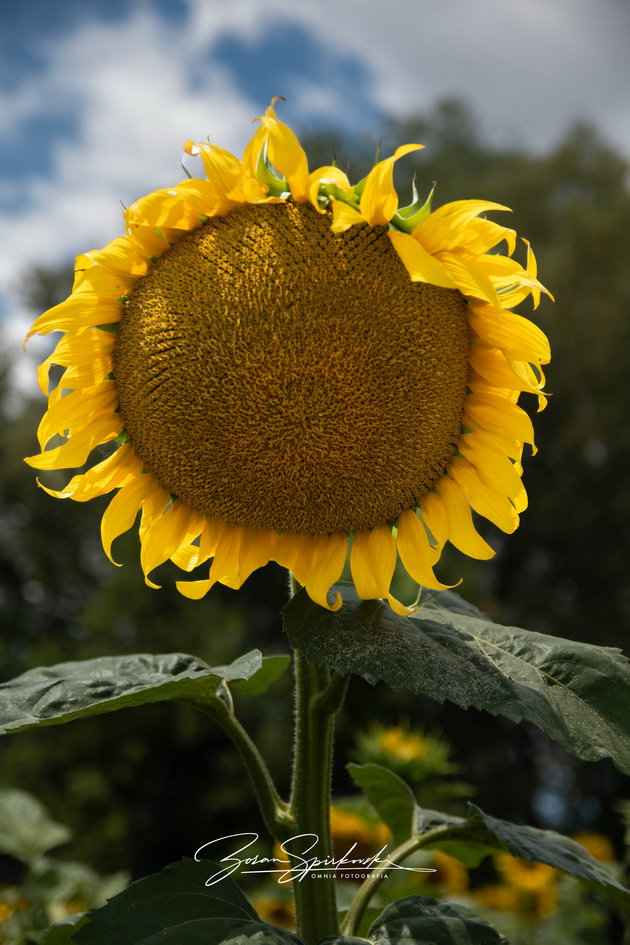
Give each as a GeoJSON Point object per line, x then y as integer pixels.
{"type": "Point", "coordinates": [173, 529]}
{"type": "Point", "coordinates": [345, 216]}
{"type": "Point", "coordinates": [233, 561]}
{"type": "Point", "coordinates": [194, 590]}
{"type": "Point", "coordinates": [329, 557]}
{"type": "Point", "coordinates": [497, 415]}
{"type": "Point", "coordinates": [493, 505]}
{"type": "Point", "coordinates": [121, 512]}
{"type": "Point", "coordinates": [119, 257]}
{"type": "Point", "coordinates": [435, 519]}
{"type": "Point", "coordinates": [255, 552]}
{"type": "Point", "coordinates": [323, 176]}
{"type": "Point", "coordinates": [492, 367]}
{"type": "Point", "coordinates": [86, 355]}
{"type": "Point", "coordinates": [288, 156]}
{"type": "Point", "coordinates": [421, 266]}
{"type": "Point", "coordinates": [253, 151]}
{"type": "Point", "coordinates": [493, 467]}
{"type": "Point", "coordinates": [223, 170]}
{"type": "Point", "coordinates": [515, 335]}
{"type": "Point", "coordinates": [469, 278]}
{"type": "Point", "coordinates": [76, 450]}
{"type": "Point", "coordinates": [461, 531]}
{"type": "Point", "coordinates": [294, 552]}
{"type": "Point", "coordinates": [76, 410]}
{"type": "Point", "coordinates": [448, 227]}
{"type": "Point", "coordinates": [415, 552]}
{"type": "Point", "coordinates": [480, 236]}
{"type": "Point", "coordinates": [75, 314]}
{"type": "Point", "coordinates": [94, 281]}
{"type": "Point", "coordinates": [379, 200]}
{"type": "Point", "coordinates": [372, 562]}
{"type": "Point", "coordinates": [115, 471]}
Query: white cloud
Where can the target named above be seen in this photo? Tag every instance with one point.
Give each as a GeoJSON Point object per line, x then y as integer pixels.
{"type": "Point", "coordinates": [139, 88]}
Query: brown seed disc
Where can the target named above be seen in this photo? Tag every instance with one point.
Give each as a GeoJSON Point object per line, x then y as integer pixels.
{"type": "Point", "coordinates": [274, 374]}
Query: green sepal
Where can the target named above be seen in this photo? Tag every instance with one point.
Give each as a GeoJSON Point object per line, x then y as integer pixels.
{"type": "Point", "coordinates": [408, 218]}
{"type": "Point", "coordinates": [265, 172]}
{"type": "Point", "coordinates": [358, 189]}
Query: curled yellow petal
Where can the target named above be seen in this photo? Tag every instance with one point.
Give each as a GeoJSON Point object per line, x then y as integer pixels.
{"type": "Point", "coordinates": [486, 500]}
{"type": "Point", "coordinates": [372, 562]}
{"type": "Point", "coordinates": [323, 176]}
{"type": "Point", "coordinates": [497, 415]}
{"type": "Point", "coordinates": [76, 410]}
{"type": "Point", "coordinates": [379, 200]}
{"type": "Point", "coordinates": [173, 529]}
{"type": "Point", "coordinates": [115, 471]}
{"type": "Point", "coordinates": [493, 467]}
{"type": "Point", "coordinates": [294, 552]}
{"type": "Point", "coordinates": [449, 227]}
{"type": "Point", "coordinates": [174, 210]}
{"type": "Point", "coordinates": [515, 335]}
{"type": "Point", "coordinates": [288, 156]}
{"type": "Point", "coordinates": [75, 314]}
{"type": "Point", "coordinates": [469, 278]}
{"type": "Point", "coordinates": [255, 551]}
{"type": "Point", "coordinates": [345, 216]}
{"type": "Point", "coordinates": [329, 557]}
{"type": "Point", "coordinates": [79, 445]}
{"type": "Point", "coordinates": [415, 552]}
{"type": "Point", "coordinates": [119, 257]}
{"type": "Point", "coordinates": [435, 519]}
{"type": "Point", "coordinates": [121, 512]}
{"type": "Point", "coordinates": [461, 531]}
{"type": "Point", "coordinates": [421, 265]}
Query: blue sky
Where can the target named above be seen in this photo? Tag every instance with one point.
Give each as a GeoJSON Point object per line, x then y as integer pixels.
{"type": "Point", "coordinates": [98, 96]}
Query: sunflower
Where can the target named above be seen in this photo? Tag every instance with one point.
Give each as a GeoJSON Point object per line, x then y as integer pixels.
{"type": "Point", "coordinates": [275, 363]}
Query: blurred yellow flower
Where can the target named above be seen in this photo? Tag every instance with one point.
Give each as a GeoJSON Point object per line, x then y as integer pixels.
{"type": "Point", "coordinates": [275, 911]}
{"type": "Point", "coordinates": [450, 874]}
{"type": "Point", "coordinates": [405, 746]}
{"type": "Point", "coordinates": [598, 845]}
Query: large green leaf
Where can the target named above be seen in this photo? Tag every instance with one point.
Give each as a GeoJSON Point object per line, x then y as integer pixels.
{"type": "Point", "coordinates": [176, 907]}
{"type": "Point", "coordinates": [577, 693]}
{"type": "Point", "coordinates": [273, 667]}
{"type": "Point", "coordinates": [473, 838]}
{"type": "Point", "coordinates": [481, 832]}
{"type": "Point", "coordinates": [27, 831]}
{"type": "Point", "coordinates": [426, 921]}
{"type": "Point", "coordinates": [392, 799]}
{"type": "Point", "coordinates": [56, 694]}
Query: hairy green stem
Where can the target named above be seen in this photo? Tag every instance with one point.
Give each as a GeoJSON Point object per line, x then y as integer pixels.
{"type": "Point", "coordinates": [367, 889]}
{"type": "Point", "coordinates": [316, 701]}
{"type": "Point", "coordinates": [275, 811]}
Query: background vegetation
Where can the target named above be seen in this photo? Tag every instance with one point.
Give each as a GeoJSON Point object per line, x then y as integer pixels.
{"type": "Point", "coordinates": [142, 789]}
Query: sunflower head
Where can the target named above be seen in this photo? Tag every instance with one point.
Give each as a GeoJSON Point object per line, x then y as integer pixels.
{"type": "Point", "coordinates": [282, 365]}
